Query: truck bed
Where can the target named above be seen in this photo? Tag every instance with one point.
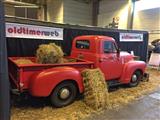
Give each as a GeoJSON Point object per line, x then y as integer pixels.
{"type": "Point", "coordinates": [33, 59]}
{"type": "Point", "coordinates": [22, 72]}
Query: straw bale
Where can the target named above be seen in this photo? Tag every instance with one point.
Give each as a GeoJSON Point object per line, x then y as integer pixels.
{"type": "Point", "coordinates": [95, 89]}
{"type": "Point", "coordinates": [23, 61]}
{"type": "Point", "coordinates": [49, 54]}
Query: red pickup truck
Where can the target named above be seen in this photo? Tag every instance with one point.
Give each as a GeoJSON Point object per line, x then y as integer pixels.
{"type": "Point", "coordinates": [62, 82]}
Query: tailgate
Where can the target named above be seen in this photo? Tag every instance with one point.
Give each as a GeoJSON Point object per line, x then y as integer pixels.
{"type": "Point", "coordinates": [13, 72]}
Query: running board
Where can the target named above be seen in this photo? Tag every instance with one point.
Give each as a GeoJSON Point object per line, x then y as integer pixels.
{"type": "Point", "coordinates": [113, 83]}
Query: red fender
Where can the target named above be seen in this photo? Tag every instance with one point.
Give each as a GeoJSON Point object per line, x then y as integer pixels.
{"type": "Point", "coordinates": [130, 68]}
{"type": "Point", "coordinates": [42, 84]}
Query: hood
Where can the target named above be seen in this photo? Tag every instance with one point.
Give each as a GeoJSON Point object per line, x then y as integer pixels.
{"type": "Point", "coordinates": [125, 56]}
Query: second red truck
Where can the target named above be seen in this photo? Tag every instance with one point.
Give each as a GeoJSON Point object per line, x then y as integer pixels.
{"type": "Point", "coordinates": [62, 82]}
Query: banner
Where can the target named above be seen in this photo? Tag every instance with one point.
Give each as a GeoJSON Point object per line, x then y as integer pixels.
{"type": "Point", "coordinates": [131, 37]}
{"type": "Point", "coordinates": [16, 30]}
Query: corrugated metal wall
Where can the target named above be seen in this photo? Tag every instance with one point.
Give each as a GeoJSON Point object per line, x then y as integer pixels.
{"type": "Point", "coordinates": [69, 11]}
{"type": "Point", "coordinates": [55, 11]}
{"type": "Point", "coordinates": [76, 12]}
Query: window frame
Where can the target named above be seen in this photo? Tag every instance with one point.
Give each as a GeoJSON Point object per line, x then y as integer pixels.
{"type": "Point", "coordinates": [114, 47]}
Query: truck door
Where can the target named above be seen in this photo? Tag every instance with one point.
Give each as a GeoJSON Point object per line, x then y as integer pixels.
{"type": "Point", "coordinates": [110, 62]}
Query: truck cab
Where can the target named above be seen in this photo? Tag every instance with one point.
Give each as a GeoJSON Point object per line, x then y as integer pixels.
{"type": "Point", "coordinates": [106, 55]}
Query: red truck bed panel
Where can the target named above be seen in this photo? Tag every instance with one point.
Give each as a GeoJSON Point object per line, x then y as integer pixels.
{"type": "Point", "coordinates": [23, 72]}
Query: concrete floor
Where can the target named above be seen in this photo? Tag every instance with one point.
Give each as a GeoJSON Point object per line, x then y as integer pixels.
{"type": "Point", "coordinates": [146, 108]}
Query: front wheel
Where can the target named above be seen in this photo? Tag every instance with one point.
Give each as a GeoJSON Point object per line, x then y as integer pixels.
{"type": "Point", "coordinates": [64, 94]}
{"type": "Point", "coordinates": [135, 79]}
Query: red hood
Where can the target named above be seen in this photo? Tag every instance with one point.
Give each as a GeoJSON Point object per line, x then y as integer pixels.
{"type": "Point", "coordinates": [125, 56]}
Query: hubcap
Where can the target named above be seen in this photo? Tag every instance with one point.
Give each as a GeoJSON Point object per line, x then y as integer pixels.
{"type": "Point", "coordinates": [134, 78]}
{"type": "Point", "coordinates": [64, 93]}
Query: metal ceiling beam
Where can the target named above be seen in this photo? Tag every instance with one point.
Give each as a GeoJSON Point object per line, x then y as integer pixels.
{"type": "Point", "coordinates": [131, 10]}
{"type": "Point", "coordinates": [18, 3]}
{"type": "Point", "coordinates": [4, 81]}
{"type": "Point", "coordinates": [95, 12]}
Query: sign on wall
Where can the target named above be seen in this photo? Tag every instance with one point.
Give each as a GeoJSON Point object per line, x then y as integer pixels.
{"type": "Point", "coordinates": [131, 37]}
{"type": "Point", "coordinates": [16, 30]}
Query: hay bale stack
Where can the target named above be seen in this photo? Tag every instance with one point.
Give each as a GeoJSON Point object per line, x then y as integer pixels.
{"type": "Point", "coordinates": [23, 61]}
{"type": "Point", "coordinates": [95, 89]}
{"type": "Point", "coordinates": [49, 54]}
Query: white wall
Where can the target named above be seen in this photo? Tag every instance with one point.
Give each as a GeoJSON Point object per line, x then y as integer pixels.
{"type": "Point", "coordinates": [113, 8]}
{"type": "Point", "coordinates": [148, 20]}
{"type": "Point", "coordinates": [76, 12]}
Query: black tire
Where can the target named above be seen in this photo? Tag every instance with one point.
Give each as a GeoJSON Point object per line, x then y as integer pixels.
{"type": "Point", "coordinates": [59, 99]}
{"type": "Point", "coordinates": [135, 79]}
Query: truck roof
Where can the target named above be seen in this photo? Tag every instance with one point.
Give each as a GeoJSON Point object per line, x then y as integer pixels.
{"type": "Point", "coordinates": [95, 37]}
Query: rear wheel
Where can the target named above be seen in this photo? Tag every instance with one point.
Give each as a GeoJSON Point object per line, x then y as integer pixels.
{"type": "Point", "coordinates": [135, 79]}
{"type": "Point", "coordinates": [64, 94]}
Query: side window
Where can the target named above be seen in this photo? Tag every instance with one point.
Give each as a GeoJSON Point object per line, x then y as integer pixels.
{"type": "Point", "coordinates": [109, 47]}
{"type": "Point", "coordinates": [82, 44]}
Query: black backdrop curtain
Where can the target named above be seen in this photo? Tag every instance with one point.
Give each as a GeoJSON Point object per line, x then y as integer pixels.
{"type": "Point", "coordinates": [27, 47]}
